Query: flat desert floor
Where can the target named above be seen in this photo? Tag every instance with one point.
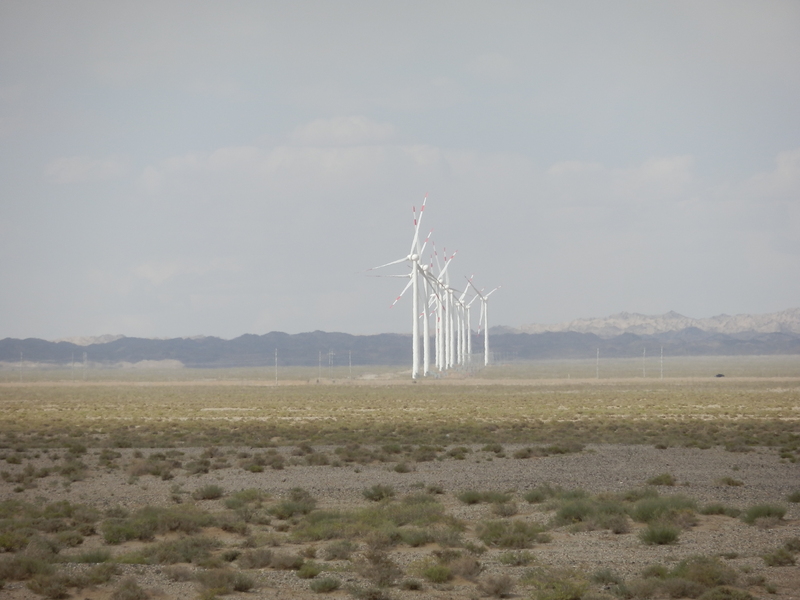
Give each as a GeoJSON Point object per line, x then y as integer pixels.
{"type": "Point", "coordinates": [544, 489]}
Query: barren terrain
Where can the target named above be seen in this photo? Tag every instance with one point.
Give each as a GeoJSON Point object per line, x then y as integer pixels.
{"type": "Point", "coordinates": [549, 489]}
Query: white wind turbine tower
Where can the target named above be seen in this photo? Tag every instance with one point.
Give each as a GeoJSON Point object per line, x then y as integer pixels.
{"type": "Point", "coordinates": [485, 314]}
{"type": "Point", "coordinates": [413, 258]}
{"type": "Point", "coordinates": [469, 330]}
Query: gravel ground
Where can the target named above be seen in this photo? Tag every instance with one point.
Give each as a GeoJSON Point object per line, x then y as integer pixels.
{"type": "Point", "coordinates": [601, 468]}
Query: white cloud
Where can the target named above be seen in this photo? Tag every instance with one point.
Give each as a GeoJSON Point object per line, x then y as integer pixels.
{"type": "Point", "coordinates": [81, 169]}
{"type": "Point", "coordinates": [342, 131]}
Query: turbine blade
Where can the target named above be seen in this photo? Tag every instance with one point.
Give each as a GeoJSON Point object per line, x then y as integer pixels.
{"type": "Point", "coordinates": [408, 285]}
{"type": "Point", "coordinates": [389, 264]}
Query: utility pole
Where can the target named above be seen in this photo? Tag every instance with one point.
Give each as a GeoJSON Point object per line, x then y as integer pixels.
{"type": "Point", "coordinates": [350, 361]}
{"type": "Point", "coordinates": [644, 365]}
{"type": "Point", "coordinates": [597, 365]}
{"type": "Point", "coordinates": [319, 370]}
{"type": "Point", "coordinates": [276, 366]}
{"type": "Point", "coordinates": [20, 367]}
{"type": "Point", "coordinates": [662, 362]}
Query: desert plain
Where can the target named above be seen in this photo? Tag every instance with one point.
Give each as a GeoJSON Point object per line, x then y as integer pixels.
{"type": "Point", "coordinates": [540, 481]}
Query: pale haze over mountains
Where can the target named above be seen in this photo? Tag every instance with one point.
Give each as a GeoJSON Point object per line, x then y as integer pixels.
{"type": "Point", "coordinates": [786, 321]}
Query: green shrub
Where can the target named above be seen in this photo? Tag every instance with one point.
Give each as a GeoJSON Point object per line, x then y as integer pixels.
{"type": "Point", "coordinates": [720, 509]}
{"type": "Point", "coordinates": [225, 581]}
{"type": "Point", "coordinates": [678, 587]}
{"type": "Point", "coordinates": [659, 534]}
{"type": "Point", "coordinates": [378, 492]}
{"type": "Point", "coordinates": [183, 550]}
{"type": "Point", "coordinates": [325, 585]}
{"type": "Point", "coordinates": [415, 537]}
{"type": "Point", "coordinates": [379, 568]}
{"type": "Point", "coordinates": [436, 573]}
{"type": "Point", "coordinates": [539, 494]}
{"type": "Point", "coordinates": [705, 570]}
{"type": "Point", "coordinates": [555, 584]}
{"type": "Point", "coordinates": [208, 492]}
{"type": "Point", "coordinates": [21, 567]}
{"type": "Point", "coordinates": [663, 479]}
{"type": "Point", "coordinates": [779, 558]}
{"type": "Point", "coordinates": [286, 562]}
{"type": "Point", "coordinates": [50, 585]}
{"type": "Point", "coordinates": [340, 550]}
{"type": "Point", "coordinates": [793, 496]}
{"type": "Point", "coordinates": [128, 589]}
{"type": "Point", "coordinates": [98, 555]}
{"type": "Point", "coordinates": [726, 593]}
{"type": "Point", "coordinates": [309, 570]}
{"type": "Point", "coordinates": [606, 576]}
{"type": "Point", "coordinates": [792, 544]}
{"type": "Point", "coordinates": [648, 510]}
{"type": "Point", "coordinates": [509, 534]}
{"type": "Point", "coordinates": [763, 511]}
{"type": "Point", "coordinates": [574, 511]}
{"type": "Point", "coordinates": [255, 559]}
{"type": "Point", "coordinates": [300, 502]}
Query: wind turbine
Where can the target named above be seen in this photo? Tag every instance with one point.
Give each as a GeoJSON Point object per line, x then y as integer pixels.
{"type": "Point", "coordinates": [413, 258]}
{"type": "Point", "coordinates": [485, 315]}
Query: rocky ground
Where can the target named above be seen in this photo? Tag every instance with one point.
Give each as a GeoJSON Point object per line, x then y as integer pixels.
{"type": "Point", "coordinates": [735, 480]}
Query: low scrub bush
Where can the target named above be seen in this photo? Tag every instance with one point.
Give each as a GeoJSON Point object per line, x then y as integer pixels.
{"type": "Point", "coordinates": [309, 570]}
{"type": "Point", "coordinates": [255, 559]}
{"type": "Point", "coordinates": [128, 589]}
{"type": "Point", "coordinates": [780, 557]}
{"type": "Point", "coordinates": [662, 508]}
{"type": "Point", "coordinates": [555, 584]}
{"type": "Point", "coordinates": [793, 496]}
{"type": "Point", "coordinates": [539, 494]}
{"type": "Point", "coordinates": [190, 549]}
{"type": "Point", "coordinates": [659, 534]}
{"type": "Point", "coordinates": [379, 568]}
{"type": "Point", "coordinates": [509, 534]}
{"type": "Point", "coordinates": [208, 492]}
{"type": "Point", "coordinates": [224, 581]}
{"type": "Point", "coordinates": [378, 492]}
{"type": "Point", "coordinates": [299, 502]}
{"type": "Point", "coordinates": [663, 479]}
{"type": "Point", "coordinates": [708, 571]}
{"type": "Point", "coordinates": [763, 511]}
{"type": "Point", "coordinates": [286, 562]}
{"type": "Point", "coordinates": [436, 573]}
{"type": "Point", "coordinates": [325, 585]}
{"type": "Point", "coordinates": [340, 550]}
{"type": "Point", "coordinates": [726, 593]}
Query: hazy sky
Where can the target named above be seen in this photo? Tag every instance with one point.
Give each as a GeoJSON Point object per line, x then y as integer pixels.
{"type": "Point", "coordinates": [220, 168]}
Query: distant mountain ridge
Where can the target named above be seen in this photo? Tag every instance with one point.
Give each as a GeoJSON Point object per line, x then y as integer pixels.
{"type": "Point", "coordinates": [622, 335]}
{"type": "Point", "coordinates": [786, 321]}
